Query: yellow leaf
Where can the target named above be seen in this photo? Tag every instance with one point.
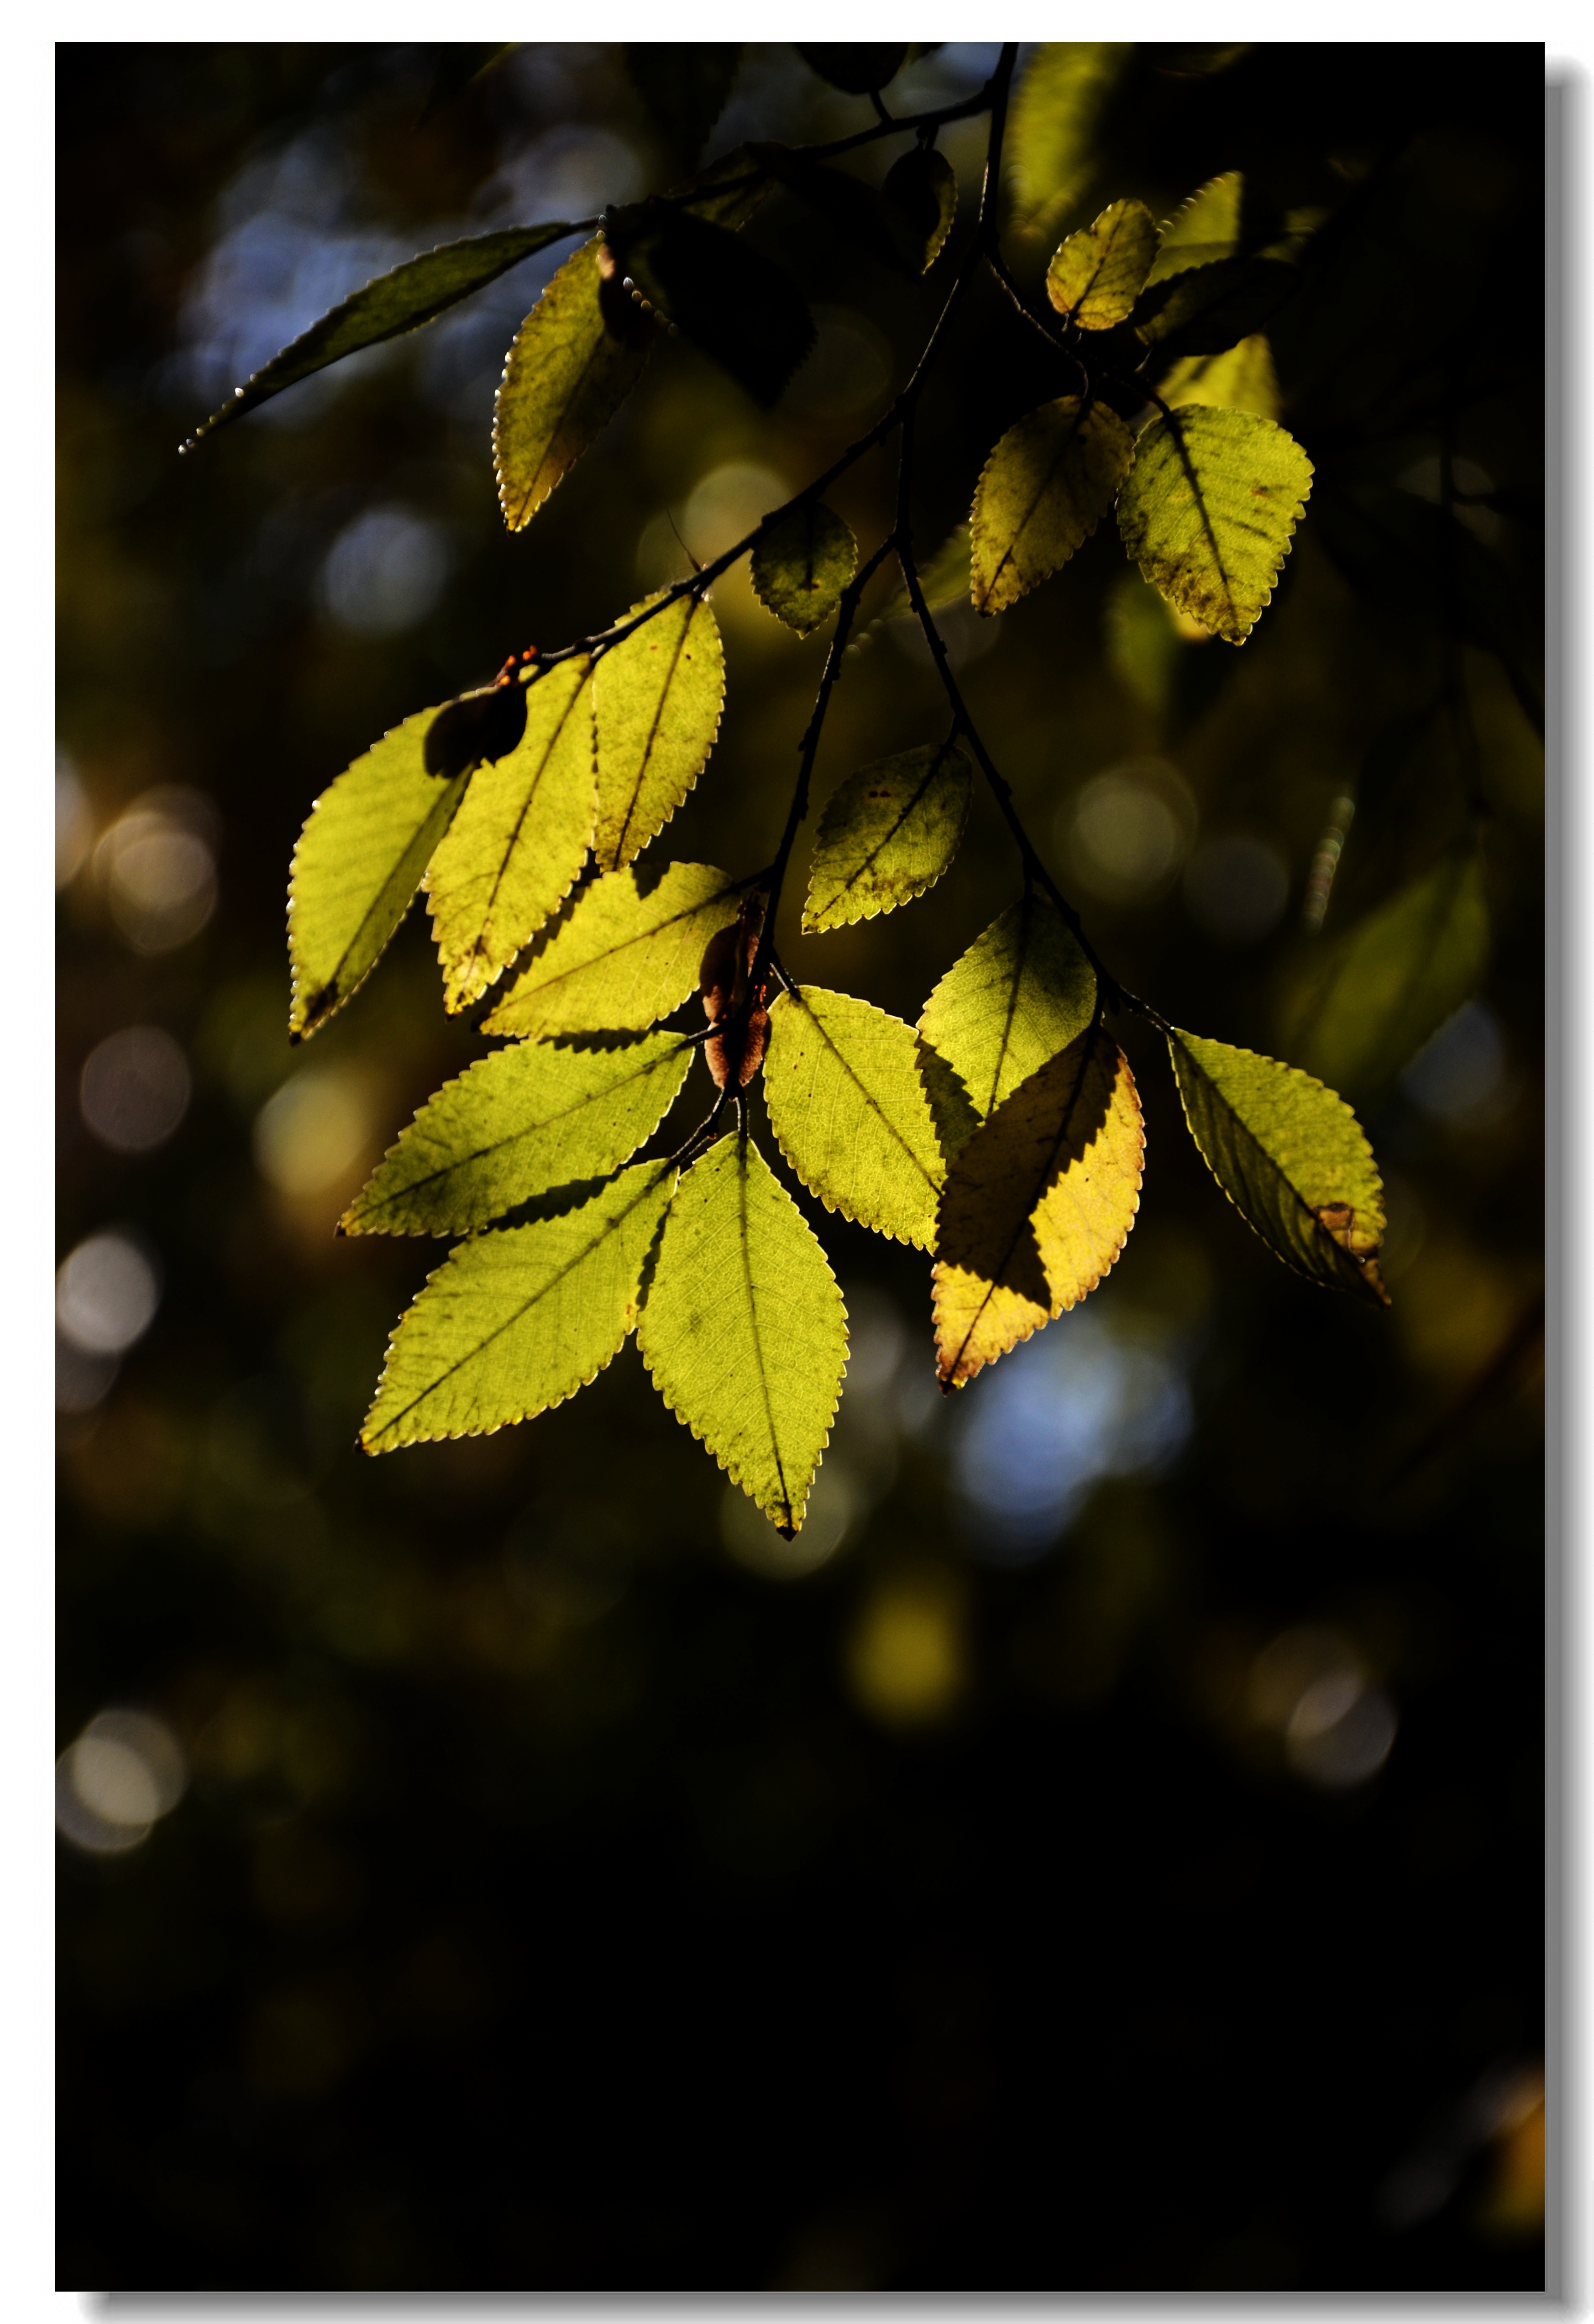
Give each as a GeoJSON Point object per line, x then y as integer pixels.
{"type": "Point", "coordinates": [1098, 274]}
{"type": "Point", "coordinates": [1209, 509]}
{"type": "Point", "coordinates": [1037, 1205]}
{"type": "Point", "coordinates": [1243, 378]}
{"type": "Point", "coordinates": [1044, 489]}
{"type": "Point", "coordinates": [574, 359]}
{"type": "Point", "coordinates": [658, 697]}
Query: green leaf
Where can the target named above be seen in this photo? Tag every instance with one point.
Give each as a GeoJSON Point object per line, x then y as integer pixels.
{"type": "Point", "coordinates": [1057, 111]}
{"type": "Point", "coordinates": [359, 864]}
{"type": "Point", "coordinates": [856, 211]}
{"type": "Point", "coordinates": [414, 293]}
{"type": "Point", "coordinates": [856, 66]}
{"type": "Point", "coordinates": [1097, 275]}
{"type": "Point", "coordinates": [1209, 511]}
{"type": "Point", "coordinates": [684, 84]}
{"type": "Point", "coordinates": [513, 1322]}
{"type": "Point", "coordinates": [518, 841]}
{"type": "Point", "coordinates": [628, 954]}
{"type": "Point", "coordinates": [1204, 229]}
{"type": "Point", "coordinates": [801, 567]}
{"type": "Point", "coordinates": [944, 579]}
{"type": "Point", "coordinates": [1021, 992]}
{"type": "Point", "coordinates": [1243, 378]}
{"type": "Point", "coordinates": [744, 1331]}
{"type": "Point", "coordinates": [1043, 492]}
{"type": "Point", "coordinates": [1291, 1158]}
{"type": "Point", "coordinates": [515, 1124]}
{"type": "Point", "coordinates": [1037, 1206]}
{"type": "Point", "coordinates": [1368, 1000]}
{"type": "Point", "coordinates": [658, 697]}
{"type": "Point", "coordinates": [887, 833]}
{"type": "Point", "coordinates": [738, 306]}
{"type": "Point", "coordinates": [920, 196]}
{"type": "Point", "coordinates": [573, 362]}
{"type": "Point", "coordinates": [846, 1100]}
{"type": "Point", "coordinates": [1206, 310]}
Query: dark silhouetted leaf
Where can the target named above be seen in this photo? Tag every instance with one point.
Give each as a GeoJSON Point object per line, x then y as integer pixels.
{"type": "Point", "coordinates": [736, 304]}
{"type": "Point", "coordinates": [481, 726]}
{"type": "Point", "coordinates": [459, 63]}
{"type": "Point", "coordinates": [920, 196]}
{"type": "Point", "coordinates": [573, 362]}
{"type": "Point", "coordinates": [856, 66]}
{"type": "Point", "coordinates": [802, 566]}
{"type": "Point", "coordinates": [684, 84]}
{"type": "Point", "coordinates": [1207, 310]}
{"type": "Point", "coordinates": [734, 1056]}
{"type": "Point", "coordinates": [729, 191]}
{"type": "Point", "coordinates": [856, 211]}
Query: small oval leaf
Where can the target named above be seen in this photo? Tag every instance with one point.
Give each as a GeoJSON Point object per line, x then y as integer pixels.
{"type": "Point", "coordinates": [657, 698]}
{"type": "Point", "coordinates": [801, 567]}
{"type": "Point", "coordinates": [887, 833]}
{"type": "Point", "coordinates": [573, 362]}
{"type": "Point", "coordinates": [847, 1102]}
{"type": "Point", "coordinates": [1097, 275]}
{"type": "Point", "coordinates": [920, 196]}
{"type": "Point", "coordinates": [1042, 492]}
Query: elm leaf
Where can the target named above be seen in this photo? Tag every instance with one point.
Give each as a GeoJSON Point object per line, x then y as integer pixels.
{"type": "Point", "coordinates": [1291, 1156]}
{"type": "Point", "coordinates": [801, 567]}
{"type": "Point", "coordinates": [855, 210]}
{"type": "Point", "coordinates": [400, 300]}
{"type": "Point", "coordinates": [1241, 377]}
{"type": "Point", "coordinates": [1057, 109]}
{"type": "Point", "coordinates": [1203, 229]}
{"type": "Point", "coordinates": [744, 1331]}
{"type": "Point", "coordinates": [627, 955]}
{"type": "Point", "coordinates": [515, 1124]}
{"type": "Point", "coordinates": [1022, 991]}
{"type": "Point", "coordinates": [1206, 310]}
{"type": "Point", "coordinates": [572, 364]}
{"type": "Point", "coordinates": [920, 196]}
{"type": "Point", "coordinates": [357, 865]}
{"type": "Point", "coordinates": [846, 1101]}
{"type": "Point", "coordinates": [657, 699]}
{"type": "Point", "coordinates": [1208, 509]}
{"type": "Point", "coordinates": [518, 840]}
{"type": "Point", "coordinates": [1097, 275]}
{"type": "Point", "coordinates": [888, 833]}
{"type": "Point", "coordinates": [734, 303]}
{"type": "Point", "coordinates": [515, 1321]}
{"type": "Point", "coordinates": [1043, 492]}
{"type": "Point", "coordinates": [1037, 1205]}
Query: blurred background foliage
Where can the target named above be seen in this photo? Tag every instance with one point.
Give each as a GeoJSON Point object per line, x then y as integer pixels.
{"type": "Point", "coordinates": [1104, 1850]}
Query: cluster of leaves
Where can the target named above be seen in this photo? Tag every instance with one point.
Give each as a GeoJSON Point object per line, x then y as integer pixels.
{"type": "Point", "coordinates": [1002, 1133]}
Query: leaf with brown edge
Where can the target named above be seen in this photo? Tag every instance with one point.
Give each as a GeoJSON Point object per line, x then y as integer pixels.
{"type": "Point", "coordinates": [573, 362]}
{"type": "Point", "coordinates": [1043, 492]}
{"type": "Point", "coordinates": [517, 842]}
{"type": "Point", "coordinates": [657, 698]}
{"type": "Point", "coordinates": [1037, 1205]}
{"type": "Point", "coordinates": [1209, 509]}
{"type": "Point", "coordinates": [1097, 275]}
{"type": "Point", "coordinates": [1291, 1156]}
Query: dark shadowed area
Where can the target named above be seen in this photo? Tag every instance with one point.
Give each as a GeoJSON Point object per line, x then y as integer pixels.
{"type": "Point", "coordinates": [1104, 1849]}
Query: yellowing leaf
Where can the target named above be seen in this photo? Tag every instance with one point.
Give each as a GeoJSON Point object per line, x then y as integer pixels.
{"type": "Point", "coordinates": [801, 567]}
{"type": "Point", "coordinates": [842, 1086]}
{"type": "Point", "coordinates": [1291, 1158]}
{"type": "Point", "coordinates": [573, 361]}
{"type": "Point", "coordinates": [515, 1124]}
{"type": "Point", "coordinates": [1037, 1205]}
{"type": "Point", "coordinates": [657, 697]}
{"type": "Point", "coordinates": [1242, 377]}
{"type": "Point", "coordinates": [1057, 108]}
{"type": "Point", "coordinates": [744, 1331]}
{"type": "Point", "coordinates": [1022, 991]}
{"type": "Point", "coordinates": [1203, 229]}
{"type": "Point", "coordinates": [515, 1321]}
{"type": "Point", "coordinates": [1369, 1000]}
{"type": "Point", "coordinates": [1044, 489]}
{"type": "Point", "coordinates": [888, 833]}
{"type": "Point", "coordinates": [1097, 275]}
{"type": "Point", "coordinates": [357, 868]}
{"type": "Point", "coordinates": [628, 954]}
{"type": "Point", "coordinates": [1209, 511]}
{"type": "Point", "coordinates": [519, 839]}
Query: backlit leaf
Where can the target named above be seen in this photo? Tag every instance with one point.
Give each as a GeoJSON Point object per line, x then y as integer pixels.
{"type": "Point", "coordinates": [1021, 992]}
{"type": "Point", "coordinates": [573, 362]}
{"type": "Point", "coordinates": [411, 294]}
{"type": "Point", "coordinates": [519, 839]}
{"type": "Point", "coordinates": [513, 1322]}
{"type": "Point", "coordinates": [1209, 308]}
{"type": "Point", "coordinates": [1097, 275]}
{"type": "Point", "coordinates": [1291, 1158]}
{"type": "Point", "coordinates": [855, 66]}
{"type": "Point", "coordinates": [684, 84]}
{"type": "Point", "coordinates": [628, 954]}
{"type": "Point", "coordinates": [1242, 377]}
{"type": "Point", "coordinates": [920, 196]}
{"type": "Point", "coordinates": [1368, 1000]}
{"type": "Point", "coordinates": [1209, 509]}
{"type": "Point", "coordinates": [657, 698]}
{"type": "Point", "coordinates": [887, 835]}
{"type": "Point", "coordinates": [801, 567]}
{"type": "Point", "coordinates": [744, 1331]}
{"type": "Point", "coordinates": [357, 868]}
{"type": "Point", "coordinates": [1044, 489]}
{"type": "Point", "coordinates": [734, 303]}
{"type": "Point", "coordinates": [854, 208]}
{"type": "Point", "coordinates": [1037, 1205]}
{"type": "Point", "coordinates": [1204, 228]}
{"type": "Point", "coordinates": [846, 1100]}
{"type": "Point", "coordinates": [516, 1123]}
{"type": "Point", "coordinates": [1057, 110]}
